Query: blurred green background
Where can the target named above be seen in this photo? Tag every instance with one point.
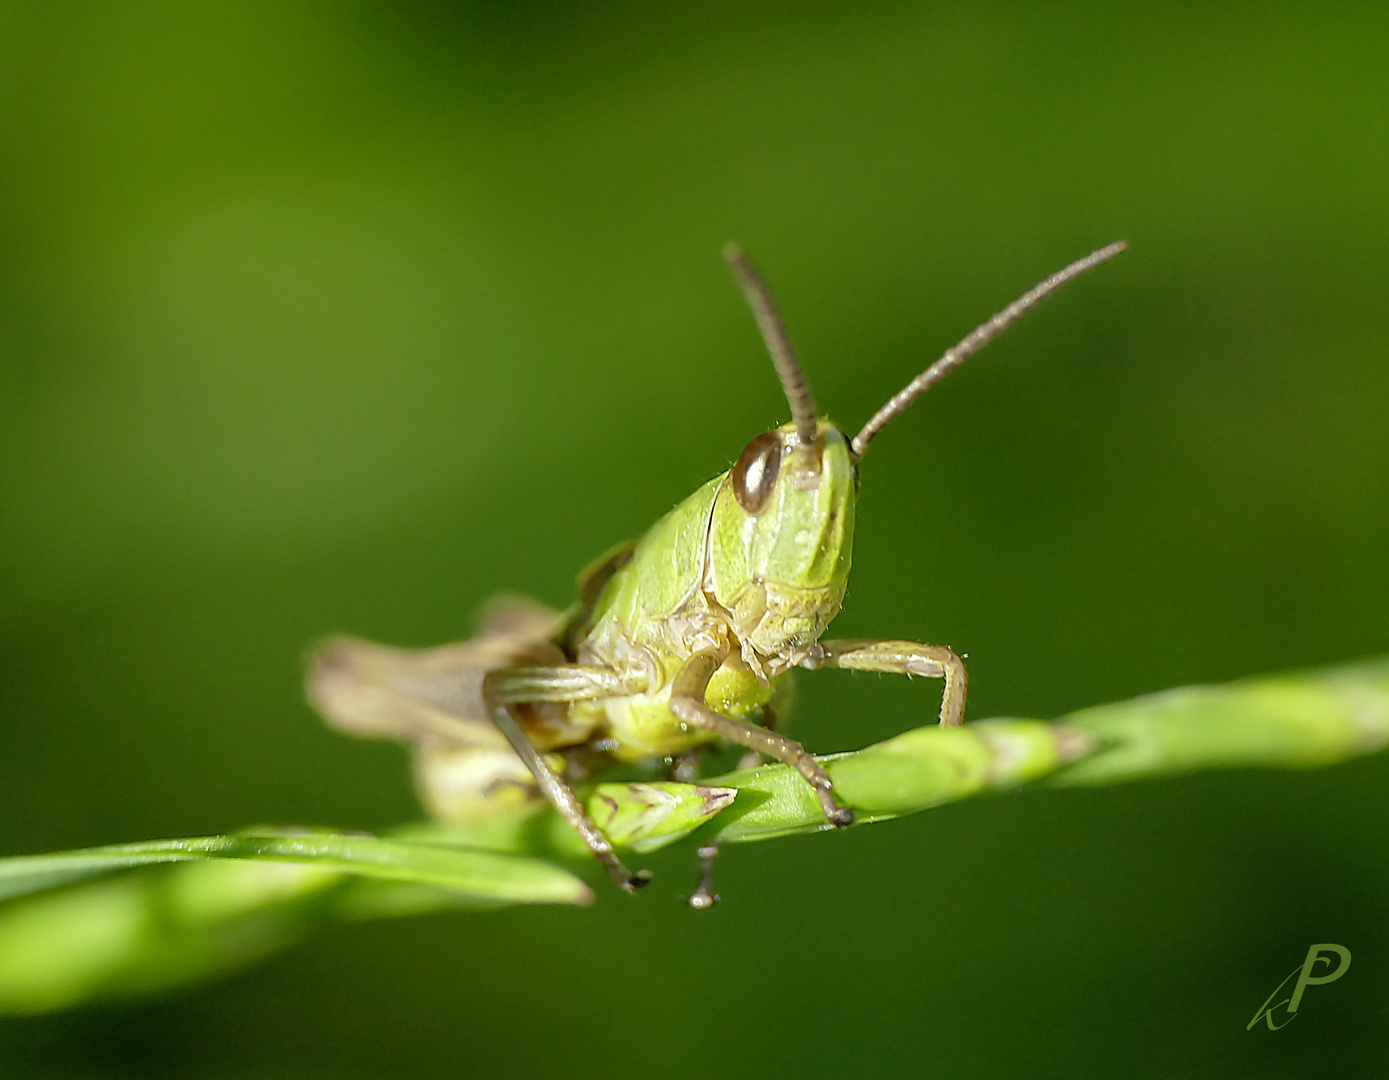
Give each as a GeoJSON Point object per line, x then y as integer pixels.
{"type": "Point", "coordinates": [342, 317]}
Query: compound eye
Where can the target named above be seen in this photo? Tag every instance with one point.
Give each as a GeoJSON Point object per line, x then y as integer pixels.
{"type": "Point", "coordinates": [754, 476]}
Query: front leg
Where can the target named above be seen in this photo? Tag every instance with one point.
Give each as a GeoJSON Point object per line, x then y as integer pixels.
{"type": "Point", "coordinates": [688, 706]}
{"type": "Point", "coordinates": [899, 658]}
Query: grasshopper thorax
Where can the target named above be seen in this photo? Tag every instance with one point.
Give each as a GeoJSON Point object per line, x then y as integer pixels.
{"type": "Point", "coordinates": [781, 538]}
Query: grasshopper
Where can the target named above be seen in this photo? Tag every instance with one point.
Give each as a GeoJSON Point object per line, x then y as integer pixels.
{"type": "Point", "coordinates": [681, 639]}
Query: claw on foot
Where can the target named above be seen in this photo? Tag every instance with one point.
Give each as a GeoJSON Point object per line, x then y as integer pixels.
{"type": "Point", "coordinates": [836, 815]}
{"type": "Point", "coordinates": [640, 880]}
{"type": "Point", "coordinates": [702, 899]}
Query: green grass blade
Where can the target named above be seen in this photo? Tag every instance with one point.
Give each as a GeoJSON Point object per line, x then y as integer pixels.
{"type": "Point", "coordinates": [226, 902]}
{"type": "Point", "coordinates": [914, 771]}
{"type": "Point", "coordinates": [236, 898]}
{"type": "Point", "coordinates": [482, 874]}
{"type": "Point", "coordinates": [1296, 721]}
{"type": "Point", "coordinates": [162, 927]}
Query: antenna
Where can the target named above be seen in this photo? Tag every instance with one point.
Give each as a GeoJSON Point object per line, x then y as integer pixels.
{"type": "Point", "coordinates": [976, 340]}
{"type": "Point", "coordinates": [788, 369]}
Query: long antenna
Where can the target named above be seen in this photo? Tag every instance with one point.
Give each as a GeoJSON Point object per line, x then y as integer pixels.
{"type": "Point", "coordinates": [976, 340]}
{"type": "Point", "coordinates": [788, 369]}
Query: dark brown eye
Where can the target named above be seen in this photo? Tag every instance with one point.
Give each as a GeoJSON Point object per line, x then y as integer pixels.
{"type": "Point", "coordinates": [754, 476]}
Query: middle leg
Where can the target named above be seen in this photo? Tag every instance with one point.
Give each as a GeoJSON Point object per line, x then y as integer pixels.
{"type": "Point", "coordinates": [508, 687]}
{"type": "Point", "coordinates": [687, 772]}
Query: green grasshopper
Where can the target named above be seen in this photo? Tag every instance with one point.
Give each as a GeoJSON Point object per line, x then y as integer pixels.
{"type": "Point", "coordinates": [685, 638]}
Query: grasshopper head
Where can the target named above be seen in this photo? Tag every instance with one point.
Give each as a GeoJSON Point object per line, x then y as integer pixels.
{"type": "Point", "coordinates": [782, 537]}
{"type": "Point", "coordinates": [783, 526]}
